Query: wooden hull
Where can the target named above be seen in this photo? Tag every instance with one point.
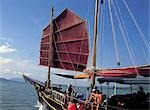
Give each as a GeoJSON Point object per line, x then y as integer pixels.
{"type": "Point", "coordinates": [44, 99]}
{"type": "Point", "coordinates": [55, 100]}
{"type": "Point", "coordinates": [50, 103]}
{"type": "Point", "coordinates": [129, 102]}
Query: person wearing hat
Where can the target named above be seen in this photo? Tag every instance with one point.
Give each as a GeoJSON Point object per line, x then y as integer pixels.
{"type": "Point", "coordinates": [92, 98]}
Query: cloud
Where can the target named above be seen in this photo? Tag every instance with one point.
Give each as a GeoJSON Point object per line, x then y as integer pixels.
{"type": "Point", "coordinates": [18, 67]}
{"type": "Point", "coordinates": [5, 71]}
{"type": "Point", "coordinates": [20, 73]}
{"type": "Point", "coordinates": [5, 48]}
{"type": "Point", "coordinates": [5, 60]}
{"type": "Point", "coordinates": [3, 38]}
{"type": "Point", "coordinates": [6, 38]}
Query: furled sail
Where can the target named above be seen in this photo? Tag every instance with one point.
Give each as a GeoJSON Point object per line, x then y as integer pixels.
{"type": "Point", "coordinates": [130, 72]}
{"type": "Point", "coordinates": [125, 72]}
{"type": "Point", "coordinates": [65, 44]}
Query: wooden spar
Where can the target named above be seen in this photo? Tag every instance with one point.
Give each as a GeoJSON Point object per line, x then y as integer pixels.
{"type": "Point", "coordinates": [49, 62]}
{"type": "Point", "coordinates": [95, 34]}
{"type": "Point", "coordinates": [94, 44]}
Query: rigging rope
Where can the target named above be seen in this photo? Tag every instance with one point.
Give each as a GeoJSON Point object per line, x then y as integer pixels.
{"type": "Point", "coordinates": [57, 50]}
{"type": "Point", "coordinates": [124, 34]}
{"type": "Point", "coordinates": [127, 36]}
{"type": "Point", "coordinates": [101, 30]}
{"type": "Point", "coordinates": [65, 47]}
{"type": "Point", "coordinates": [84, 33]}
{"type": "Point", "coordinates": [67, 55]}
{"type": "Point", "coordinates": [81, 46]}
{"type": "Point", "coordinates": [80, 57]}
{"type": "Point", "coordinates": [137, 26]}
{"type": "Point", "coordinates": [90, 38]}
{"type": "Point", "coordinates": [145, 56]}
{"type": "Point", "coordinates": [90, 43]}
{"type": "Point", "coordinates": [113, 33]}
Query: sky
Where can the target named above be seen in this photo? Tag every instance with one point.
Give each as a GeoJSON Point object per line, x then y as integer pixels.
{"type": "Point", "coordinates": [22, 21]}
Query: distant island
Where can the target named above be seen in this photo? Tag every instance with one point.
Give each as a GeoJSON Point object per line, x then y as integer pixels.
{"type": "Point", "coordinates": [17, 79]}
{"type": "Point", "coordinates": [13, 79]}
{"type": "Point", "coordinates": [3, 79]}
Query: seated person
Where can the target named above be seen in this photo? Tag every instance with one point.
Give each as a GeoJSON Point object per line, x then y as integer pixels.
{"type": "Point", "coordinates": [95, 99]}
{"type": "Point", "coordinates": [141, 94]}
{"type": "Point", "coordinates": [91, 98]}
{"type": "Point", "coordinates": [98, 99]}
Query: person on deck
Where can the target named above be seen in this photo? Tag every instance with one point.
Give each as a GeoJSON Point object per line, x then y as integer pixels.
{"type": "Point", "coordinates": [141, 94]}
{"type": "Point", "coordinates": [95, 99]}
{"type": "Point", "coordinates": [87, 93]}
{"type": "Point", "coordinates": [70, 93]}
{"type": "Point", "coordinates": [92, 98]}
{"type": "Point", "coordinates": [98, 99]}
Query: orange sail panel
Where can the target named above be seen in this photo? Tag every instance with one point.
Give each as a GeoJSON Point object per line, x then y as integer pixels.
{"type": "Point", "coordinates": [66, 45]}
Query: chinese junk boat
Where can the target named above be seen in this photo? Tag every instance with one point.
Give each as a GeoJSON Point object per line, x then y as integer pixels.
{"type": "Point", "coordinates": [65, 45]}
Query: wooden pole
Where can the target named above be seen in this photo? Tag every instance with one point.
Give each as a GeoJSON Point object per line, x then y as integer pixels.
{"type": "Point", "coordinates": [95, 34]}
{"type": "Point", "coordinates": [115, 88]}
{"type": "Point", "coordinates": [49, 62]}
{"type": "Point", "coordinates": [94, 45]}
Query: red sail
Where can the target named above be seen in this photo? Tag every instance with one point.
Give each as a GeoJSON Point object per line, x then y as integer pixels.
{"type": "Point", "coordinates": [46, 54]}
{"type": "Point", "coordinates": [66, 45]}
{"type": "Point", "coordinates": [125, 72]}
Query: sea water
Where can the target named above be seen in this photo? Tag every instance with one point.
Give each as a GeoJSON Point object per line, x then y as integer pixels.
{"type": "Point", "coordinates": [17, 96]}
{"type": "Point", "coordinates": [22, 96]}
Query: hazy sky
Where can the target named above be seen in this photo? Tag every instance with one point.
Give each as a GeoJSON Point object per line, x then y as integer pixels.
{"type": "Point", "coordinates": [22, 21]}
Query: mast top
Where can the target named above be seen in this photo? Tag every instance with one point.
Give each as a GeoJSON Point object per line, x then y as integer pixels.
{"type": "Point", "coordinates": [52, 14]}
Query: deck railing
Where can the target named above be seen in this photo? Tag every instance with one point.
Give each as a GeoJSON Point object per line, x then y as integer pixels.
{"type": "Point", "coordinates": [62, 97]}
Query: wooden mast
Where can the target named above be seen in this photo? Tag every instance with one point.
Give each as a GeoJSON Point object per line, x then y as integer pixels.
{"type": "Point", "coordinates": [49, 62]}
{"type": "Point", "coordinates": [94, 44]}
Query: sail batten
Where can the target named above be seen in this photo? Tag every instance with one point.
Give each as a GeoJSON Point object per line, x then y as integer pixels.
{"type": "Point", "coordinates": [46, 51]}
{"type": "Point", "coordinates": [64, 61]}
{"type": "Point", "coordinates": [46, 35]}
{"type": "Point", "coordinates": [75, 53]}
{"type": "Point", "coordinates": [67, 46]}
{"type": "Point", "coordinates": [74, 40]}
{"type": "Point", "coordinates": [68, 27]}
